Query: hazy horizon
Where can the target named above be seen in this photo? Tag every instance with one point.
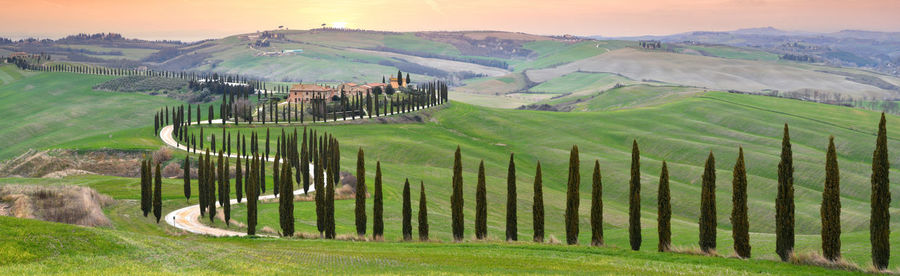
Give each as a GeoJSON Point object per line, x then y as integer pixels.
{"type": "Point", "coordinates": [198, 20]}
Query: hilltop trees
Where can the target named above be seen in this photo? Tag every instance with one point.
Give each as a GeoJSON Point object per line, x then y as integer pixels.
{"type": "Point", "coordinates": [572, 197]}
{"type": "Point", "coordinates": [481, 204]}
{"type": "Point", "coordinates": [423, 213]}
{"type": "Point", "coordinates": [740, 223]}
{"type": "Point", "coordinates": [596, 207]}
{"type": "Point", "coordinates": [511, 220]}
{"type": "Point", "coordinates": [784, 201]}
{"type": "Point", "coordinates": [879, 227]}
{"type": "Point", "coordinates": [407, 213]}
{"type": "Point", "coordinates": [537, 211]}
{"type": "Point", "coordinates": [360, 193]}
{"type": "Point", "coordinates": [377, 208]}
{"type": "Point", "coordinates": [634, 199]}
{"type": "Point", "coordinates": [157, 194]}
{"type": "Point", "coordinates": [708, 206]}
{"type": "Point", "coordinates": [456, 198]}
{"type": "Point", "coordinates": [831, 206]}
{"type": "Point", "coordinates": [664, 209]}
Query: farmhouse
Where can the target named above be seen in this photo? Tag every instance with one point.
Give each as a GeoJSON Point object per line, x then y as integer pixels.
{"type": "Point", "coordinates": [305, 92]}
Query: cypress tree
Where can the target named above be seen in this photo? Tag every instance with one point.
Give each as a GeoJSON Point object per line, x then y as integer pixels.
{"type": "Point", "coordinates": [211, 189]}
{"type": "Point", "coordinates": [187, 178]}
{"type": "Point", "coordinates": [740, 224]}
{"type": "Point", "coordinates": [377, 209]}
{"type": "Point", "coordinates": [831, 206]}
{"type": "Point", "coordinates": [480, 204]}
{"type": "Point", "coordinates": [146, 196]}
{"type": "Point", "coordinates": [879, 227]}
{"type": "Point", "coordinates": [201, 184]}
{"type": "Point", "coordinates": [360, 193]}
{"type": "Point", "coordinates": [512, 229]}
{"type": "Point", "coordinates": [634, 199]}
{"type": "Point", "coordinates": [784, 201]}
{"type": "Point", "coordinates": [304, 160]}
{"type": "Point", "coordinates": [664, 208]}
{"type": "Point", "coordinates": [286, 202]}
{"type": "Point", "coordinates": [157, 194]}
{"type": "Point", "coordinates": [252, 196]}
{"type": "Point", "coordinates": [276, 173]}
{"type": "Point", "coordinates": [456, 198]}
{"type": "Point", "coordinates": [329, 210]}
{"type": "Point", "coordinates": [320, 198]}
{"type": "Point", "coordinates": [537, 211]}
{"type": "Point", "coordinates": [423, 213]}
{"type": "Point", "coordinates": [226, 194]}
{"type": "Point", "coordinates": [238, 178]}
{"type": "Point", "coordinates": [597, 207]}
{"type": "Point", "coordinates": [572, 197]}
{"type": "Point", "coordinates": [708, 206]}
{"type": "Point", "coordinates": [407, 213]}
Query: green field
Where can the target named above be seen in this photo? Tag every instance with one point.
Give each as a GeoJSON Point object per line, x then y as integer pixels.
{"type": "Point", "coordinates": [681, 130]}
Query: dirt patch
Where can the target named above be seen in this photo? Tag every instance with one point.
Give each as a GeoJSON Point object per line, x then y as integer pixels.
{"type": "Point", "coordinates": [66, 204]}
{"type": "Point", "coordinates": [59, 163]}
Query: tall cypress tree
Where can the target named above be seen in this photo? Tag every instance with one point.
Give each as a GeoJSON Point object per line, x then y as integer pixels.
{"type": "Point", "coordinates": [634, 199]}
{"type": "Point", "coordinates": [784, 201]}
{"type": "Point", "coordinates": [252, 196]}
{"type": "Point", "coordinates": [286, 202]}
{"type": "Point", "coordinates": [423, 213]}
{"type": "Point", "coordinates": [320, 198]}
{"type": "Point", "coordinates": [481, 204]}
{"type": "Point", "coordinates": [157, 194]}
{"type": "Point", "coordinates": [664, 209]}
{"type": "Point", "coordinates": [304, 160]}
{"type": "Point", "coordinates": [201, 183]}
{"type": "Point", "coordinates": [211, 191]}
{"type": "Point", "coordinates": [187, 178]}
{"type": "Point", "coordinates": [360, 193]}
{"type": "Point", "coordinates": [407, 213]}
{"type": "Point", "coordinates": [708, 206]}
{"type": "Point", "coordinates": [572, 197]}
{"type": "Point", "coordinates": [512, 229]}
{"type": "Point", "coordinates": [238, 178]}
{"type": "Point", "coordinates": [146, 195]}
{"type": "Point", "coordinates": [377, 208]}
{"type": "Point", "coordinates": [329, 205]}
{"type": "Point", "coordinates": [226, 194]}
{"type": "Point", "coordinates": [740, 223]}
{"type": "Point", "coordinates": [879, 227]}
{"type": "Point", "coordinates": [537, 211]}
{"type": "Point", "coordinates": [831, 206]}
{"type": "Point", "coordinates": [456, 198]}
{"type": "Point", "coordinates": [597, 206]}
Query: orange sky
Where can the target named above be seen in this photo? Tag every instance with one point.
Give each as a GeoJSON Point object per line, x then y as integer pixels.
{"type": "Point", "coordinates": [193, 20]}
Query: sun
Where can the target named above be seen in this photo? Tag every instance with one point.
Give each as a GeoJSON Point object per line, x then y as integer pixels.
{"type": "Point", "coordinates": [339, 25]}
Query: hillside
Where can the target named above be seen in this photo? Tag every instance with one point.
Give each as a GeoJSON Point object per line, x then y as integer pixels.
{"type": "Point", "coordinates": [676, 124]}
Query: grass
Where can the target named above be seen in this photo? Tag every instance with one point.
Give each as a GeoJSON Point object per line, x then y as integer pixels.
{"type": "Point", "coordinates": [49, 109]}
{"type": "Point", "coordinates": [681, 131]}
{"type": "Point", "coordinates": [735, 53]}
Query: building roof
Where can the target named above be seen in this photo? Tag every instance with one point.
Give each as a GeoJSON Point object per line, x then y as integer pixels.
{"type": "Point", "coordinates": [309, 88]}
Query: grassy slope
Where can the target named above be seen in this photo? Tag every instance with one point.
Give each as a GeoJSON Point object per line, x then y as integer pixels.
{"type": "Point", "coordinates": [137, 245]}
{"type": "Point", "coordinates": [681, 132]}
{"type": "Point", "coordinates": [49, 109]}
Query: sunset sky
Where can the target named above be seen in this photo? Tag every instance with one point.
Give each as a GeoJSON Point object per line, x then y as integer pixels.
{"type": "Point", "coordinates": [194, 20]}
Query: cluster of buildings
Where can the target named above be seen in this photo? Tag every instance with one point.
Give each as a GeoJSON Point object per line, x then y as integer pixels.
{"type": "Point", "coordinates": [305, 92]}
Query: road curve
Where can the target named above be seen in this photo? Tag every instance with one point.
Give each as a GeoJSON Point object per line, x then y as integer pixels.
{"type": "Point", "coordinates": [188, 218]}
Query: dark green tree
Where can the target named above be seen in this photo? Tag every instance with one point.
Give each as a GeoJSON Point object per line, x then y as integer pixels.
{"type": "Point", "coordinates": [252, 195]}
{"type": "Point", "coordinates": [456, 198]}
{"type": "Point", "coordinates": [238, 180]}
{"type": "Point", "coordinates": [481, 204]}
{"type": "Point", "coordinates": [708, 206]}
{"type": "Point", "coordinates": [320, 198]}
{"type": "Point", "coordinates": [740, 223]}
{"type": "Point", "coordinates": [537, 211]}
{"type": "Point", "coordinates": [187, 178]}
{"type": "Point", "coordinates": [784, 201]}
{"type": "Point", "coordinates": [831, 206]}
{"type": "Point", "coordinates": [664, 209]}
{"type": "Point", "coordinates": [512, 229]}
{"type": "Point", "coordinates": [407, 213]}
{"type": "Point", "coordinates": [157, 194]}
{"type": "Point", "coordinates": [880, 225]}
{"type": "Point", "coordinates": [360, 193]}
{"type": "Point", "coordinates": [146, 194]}
{"type": "Point", "coordinates": [597, 206]}
{"type": "Point", "coordinates": [377, 208]}
{"type": "Point", "coordinates": [423, 213]}
{"type": "Point", "coordinates": [572, 197]}
{"type": "Point", "coordinates": [225, 193]}
{"type": "Point", "coordinates": [286, 202]}
{"type": "Point", "coordinates": [634, 199]}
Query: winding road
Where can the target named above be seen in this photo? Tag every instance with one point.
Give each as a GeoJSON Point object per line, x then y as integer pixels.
{"type": "Point", "coordinates": [188, 218]}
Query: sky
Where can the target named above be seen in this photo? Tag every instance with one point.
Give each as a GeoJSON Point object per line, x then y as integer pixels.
{"type": "Point", "coordinates": [191, 20]}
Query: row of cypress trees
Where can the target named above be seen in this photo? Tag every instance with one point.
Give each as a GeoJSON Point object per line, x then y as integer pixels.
{"type": "Point", "coordinates": [151, 189]}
